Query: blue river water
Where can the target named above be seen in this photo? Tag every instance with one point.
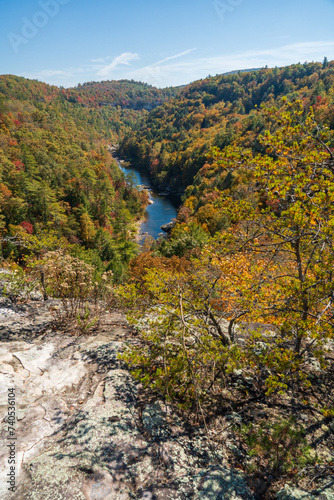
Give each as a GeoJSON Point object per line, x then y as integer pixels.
{"type": "Point", "coordinates": [160, 212]}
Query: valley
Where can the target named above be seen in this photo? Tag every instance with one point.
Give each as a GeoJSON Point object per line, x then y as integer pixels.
{"type": "Point", "coordinates": [211, 344]}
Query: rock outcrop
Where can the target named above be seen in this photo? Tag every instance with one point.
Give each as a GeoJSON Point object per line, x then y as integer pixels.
{"type": "Point", "coordinates": [166, 228]}
{"type": "Point", "coordinates": [292, 493]}
{"type": "Point", "coordinates": [81, 432]}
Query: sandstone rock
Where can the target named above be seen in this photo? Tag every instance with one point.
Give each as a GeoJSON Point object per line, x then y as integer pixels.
{"type": "Point", "coordinates": [166, 228]}
{"type": "Point", "coordinates": [291, 493]}
{"type": "Point", "coordinates": [80, 433]}
{"type": "Point", "coordinates": [225, 484]}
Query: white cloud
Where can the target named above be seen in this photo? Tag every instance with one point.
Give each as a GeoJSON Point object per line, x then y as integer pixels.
{"type": "Point", "coordinates": [122, 60]}
{"type": "Point", "coordinates": [155, 73]}
{"type": "Point", "coordinates": [183, 72]}
{"type": "Point", "coordinates": [68, 77]}
{"type": "Point", "coordinates": [293, 51]}
{"type": "Point", "coordinates": [173, 57]}
{"type": "Point", "coordinates": [184, 67]}
{"type": "Point", "coordinates": [101, 60]}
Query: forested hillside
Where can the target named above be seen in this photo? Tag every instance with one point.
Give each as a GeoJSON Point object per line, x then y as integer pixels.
{"type": "Point", "coordinates": [121, 93]}
{"type": "Point", "coordinates": [175, 139]}
{"type": "Point", "coordinates": [109, 108]}
{"type": "Point", "coordinates": [57, 178]}
{"type": "Point", "coordinates": [234, 311]}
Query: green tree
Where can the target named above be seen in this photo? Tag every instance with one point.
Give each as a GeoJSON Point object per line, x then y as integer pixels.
{"type": "Point", "coordinates": [273, 267]}
{"type": "Point", "coordinates": [87, 228]}
{"type": "Point", "coordinates": [288, 239]}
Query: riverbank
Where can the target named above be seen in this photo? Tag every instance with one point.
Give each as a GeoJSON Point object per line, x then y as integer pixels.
{"type": "Point", "coordinates": [136, 235]}
{"type": "Point", "coordinates": [160, 211]}
{"type": "Point", "coordinates": [135, 230]}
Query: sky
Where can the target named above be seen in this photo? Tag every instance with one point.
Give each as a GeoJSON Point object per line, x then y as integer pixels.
{"type": "Point", "coordinates": [66, 42]}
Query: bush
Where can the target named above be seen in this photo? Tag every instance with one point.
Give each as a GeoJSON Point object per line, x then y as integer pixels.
{"type": "Point", "coordinates": [278, 446]}
{"type": "Point", "coordinates": [16, 284]}
{"type": "Point", "coordinates": [81, 290]}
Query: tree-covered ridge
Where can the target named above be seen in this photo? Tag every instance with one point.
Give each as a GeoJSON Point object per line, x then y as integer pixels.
{"type": "Point", "coordinates": [236, 309]}
{"type": "Point", "coordinates": [23, 89]}
{"type": "Point", "coordinates": [122, 93]}
{"type": "Point", "coordinates": [56, 175]}
{"type": "Point", "coordinates": [111, 108]}
{"type": "Point", "coordinates": [174, 139]}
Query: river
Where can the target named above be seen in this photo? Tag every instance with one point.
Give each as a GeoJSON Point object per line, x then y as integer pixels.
{"type": "Point", "coordinates": [160, 212]}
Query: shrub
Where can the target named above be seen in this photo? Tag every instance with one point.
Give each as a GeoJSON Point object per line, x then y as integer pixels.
{"type": "Point", "coordinates": [81, 290]}
{"type": "Point", "coordinates": [17, 284]}
{"type": "Point", "coordinates": [278, 446]}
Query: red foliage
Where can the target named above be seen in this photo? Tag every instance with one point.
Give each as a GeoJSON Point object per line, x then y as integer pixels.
{"type": "Point", "coordinates": [184, 214]}
{"type": "Point", "coordinates": [154, 166]}
{"type": "Point", "coordinates": [27, 227]}
{"type": "Point", "coordinates": [18, 164]}
{"type": "Point", "coordinates": [321, 101]}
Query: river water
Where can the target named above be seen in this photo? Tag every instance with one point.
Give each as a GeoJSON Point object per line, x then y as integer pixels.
{"type": "Point", "coordinates": [160, 212]}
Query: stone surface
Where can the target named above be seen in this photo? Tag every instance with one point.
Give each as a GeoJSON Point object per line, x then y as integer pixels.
{"type": "Point", "coordinates": [222, 484]}
{"type": "Point", "coordinates": [167, 227]}
{"type": "Point", "coordinates": [291, 493]}
{"type": "Point", "coordinates": [81, 433]}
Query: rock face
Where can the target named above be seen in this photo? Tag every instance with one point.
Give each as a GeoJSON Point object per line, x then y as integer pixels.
{"type": "Point", "coordinates": [290, 493]}
{"type": "Point", "coordinates": [80, 431]}
{"type": "Point", "coordinates": [166, 228]}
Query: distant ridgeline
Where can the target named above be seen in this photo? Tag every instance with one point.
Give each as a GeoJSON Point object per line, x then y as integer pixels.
{"type": "Point", "coordinates": [123, 93]}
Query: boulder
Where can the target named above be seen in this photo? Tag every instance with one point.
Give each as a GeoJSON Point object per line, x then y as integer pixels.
{"type": "Point", "coordinates": [290, 493]}
{"type": "Point", "coordinates": [167, 227]}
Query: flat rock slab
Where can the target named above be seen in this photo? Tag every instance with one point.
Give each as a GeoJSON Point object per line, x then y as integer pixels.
{"type": "Point", "coordinates": [80, 431]}
{"type": "Point", "coordinates": [291, 493]}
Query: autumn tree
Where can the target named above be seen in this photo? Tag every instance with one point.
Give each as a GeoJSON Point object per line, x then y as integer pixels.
{"type": "Point", "coordinates": [271, 270]}
{"type": "Point", "coordinates": [289, 236]}
{"type": "Point", "coordinates": [87, 228]}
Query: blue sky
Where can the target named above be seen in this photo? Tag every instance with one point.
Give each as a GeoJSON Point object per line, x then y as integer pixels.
{"type": "Point", "coordinates": [66, 42]}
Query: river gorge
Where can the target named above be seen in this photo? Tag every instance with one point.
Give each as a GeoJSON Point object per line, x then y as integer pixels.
{"type": "Point", "coordinates": [162, 208]}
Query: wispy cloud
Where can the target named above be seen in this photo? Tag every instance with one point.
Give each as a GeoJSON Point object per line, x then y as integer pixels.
{"type": "Point", "coordinates": [66, 77]}
{"type": "Point", "coordinates": [278, 56]}
{"type": "Point", "coordinates": [185, 71]}
{"type": "Point", "coordinates": [184, 67]}
{"type": "Point", "coordinates": [101, 60]}
{"type": "Point", "coordinates": [295, 50]}
{"type": "Point", "coordinates": [181, 54]}
{"type": "Point", "coordinates": [155, 73]}
{"type": "Point", "coordinates": [122, 60]}
{"type": "Point", "coordinates": [95, 69]}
